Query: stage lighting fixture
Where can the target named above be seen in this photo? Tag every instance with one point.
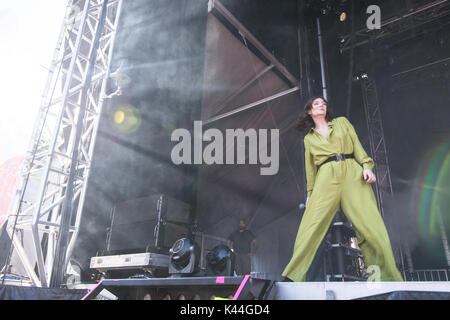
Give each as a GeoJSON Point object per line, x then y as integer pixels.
{"type": "Point", "coordinates": [183, 257]}
{"type": "Point", "coordinates": [220, 261]}
{"type": "Point", "coordinates": [120, 74]}
{"type": "Point", "coordinates": [121, 78]}
{"type": "Point", "coordinates": [343, 16]}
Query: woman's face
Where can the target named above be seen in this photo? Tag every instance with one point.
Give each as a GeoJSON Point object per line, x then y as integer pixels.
{"type": "Point", "coordinates": [318, 108]}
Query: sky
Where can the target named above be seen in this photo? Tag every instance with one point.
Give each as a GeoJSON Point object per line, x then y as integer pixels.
{"type": "Point", "coordinates": [29, 30]}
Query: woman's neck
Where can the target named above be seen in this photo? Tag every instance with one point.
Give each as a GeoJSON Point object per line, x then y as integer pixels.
{"type": "Point", "coordinates": [320, 122]}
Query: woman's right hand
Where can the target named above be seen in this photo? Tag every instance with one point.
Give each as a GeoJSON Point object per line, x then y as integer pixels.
{"type": "Point", "coordinates": [307, 199]}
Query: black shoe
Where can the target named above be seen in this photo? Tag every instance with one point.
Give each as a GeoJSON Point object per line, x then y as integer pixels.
{"type": "Point", "coordinates": [286, 279]}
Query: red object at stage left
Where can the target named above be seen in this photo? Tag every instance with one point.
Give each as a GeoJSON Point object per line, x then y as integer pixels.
{"type": "Point", "coordinates": [9, 175]}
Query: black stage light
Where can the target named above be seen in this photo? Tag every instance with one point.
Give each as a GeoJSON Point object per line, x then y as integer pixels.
{"type": "Point", "coordinates": [183, 257]}
{"type": "Point", "coordinates": [220, 261]}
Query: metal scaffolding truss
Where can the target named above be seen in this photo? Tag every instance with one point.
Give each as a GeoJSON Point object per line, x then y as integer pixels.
{"type": "Point", "coordinates": [437, 70]}
{"type": "Point", "coordinates": [377, 144]}
{"type": "Point", "coordinates": [55, 171]}
{"type": "Point", "coordinates": [383, 185]}
{"type": "Point", "coordinates": [410, 20]}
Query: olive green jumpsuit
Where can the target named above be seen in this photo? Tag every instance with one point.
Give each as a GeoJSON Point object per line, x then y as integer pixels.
{"type": "Point", "coordinates": [340, 183]}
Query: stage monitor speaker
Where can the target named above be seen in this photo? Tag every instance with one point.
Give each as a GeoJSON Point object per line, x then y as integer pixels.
{"type": "Point", "coordinates": [150, 224]}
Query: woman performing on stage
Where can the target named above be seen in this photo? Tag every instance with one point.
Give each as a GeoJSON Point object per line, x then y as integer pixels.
{"type": "Point", "coordinates": [338, 173]}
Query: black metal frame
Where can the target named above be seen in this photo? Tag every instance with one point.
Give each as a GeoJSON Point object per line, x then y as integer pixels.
{"type": "Point", "coordinates": [122, 288]}
{"type": "Point", "coordinates": [410, 20]}
{"type": "Point", "coordinates": [336, 249]}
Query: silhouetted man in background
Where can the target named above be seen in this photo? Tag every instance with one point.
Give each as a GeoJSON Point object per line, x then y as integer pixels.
{"type": "Point", "coordinates": [242, 241]}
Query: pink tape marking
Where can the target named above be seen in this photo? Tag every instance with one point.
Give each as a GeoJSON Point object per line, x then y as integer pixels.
{"type": "Point", "coordinates": [242, 285]}
{"type": "Point", "coordinates": [87, 295]}
{"type": "Point", "coordinates": [220, 280]}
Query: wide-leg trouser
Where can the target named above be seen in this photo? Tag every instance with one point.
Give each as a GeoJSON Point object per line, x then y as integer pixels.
{"type": "Point", "coordinates": [341, 183]}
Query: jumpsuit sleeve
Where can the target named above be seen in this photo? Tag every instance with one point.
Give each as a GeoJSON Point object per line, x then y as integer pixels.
{"type": "Point", "coordinates": [310, 168]}
{"type": "Point", "coordinates": [358, 150]}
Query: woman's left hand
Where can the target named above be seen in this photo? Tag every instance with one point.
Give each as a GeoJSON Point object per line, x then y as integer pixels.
{"type": "Point", "coordinates": [369, 176]}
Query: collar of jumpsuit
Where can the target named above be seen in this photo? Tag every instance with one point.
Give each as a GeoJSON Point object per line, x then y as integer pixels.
{"type": "Point", "coordinates": [330, 129]}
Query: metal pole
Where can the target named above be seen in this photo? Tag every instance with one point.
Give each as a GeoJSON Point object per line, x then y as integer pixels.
{"type": "Point", "coordinates": [350, 71]}
{"type": "Point", "coordinates": [251, 105]}
{"type": "Point", "coordinates": [322, 60]}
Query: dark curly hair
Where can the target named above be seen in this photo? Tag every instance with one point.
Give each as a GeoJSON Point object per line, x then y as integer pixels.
{"type": "Point", "coordinates": [305, 121]}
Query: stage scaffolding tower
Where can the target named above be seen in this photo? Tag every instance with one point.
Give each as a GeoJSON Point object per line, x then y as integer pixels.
{"type": "Point", "coordinates": [377, 144]}
{"type": "Point", "coordinates": [44, 218]}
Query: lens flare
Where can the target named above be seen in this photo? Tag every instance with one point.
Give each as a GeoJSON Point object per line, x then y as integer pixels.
{"type": "Point", "coordinates": [119, 116]}
{"type": "Point", "coordinates": [431, 198]}
{"type": "Point", "coordinates": [126, 118]}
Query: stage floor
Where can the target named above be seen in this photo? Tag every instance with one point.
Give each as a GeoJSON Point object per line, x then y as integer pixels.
{"type": "Point", "coordinates": [410, 290]}
{"type": "Point", "coordinates": [356, 290]}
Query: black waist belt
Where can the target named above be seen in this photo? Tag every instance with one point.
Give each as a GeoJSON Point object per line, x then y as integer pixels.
{"type": "Point", "coordinates": [338, 157]}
